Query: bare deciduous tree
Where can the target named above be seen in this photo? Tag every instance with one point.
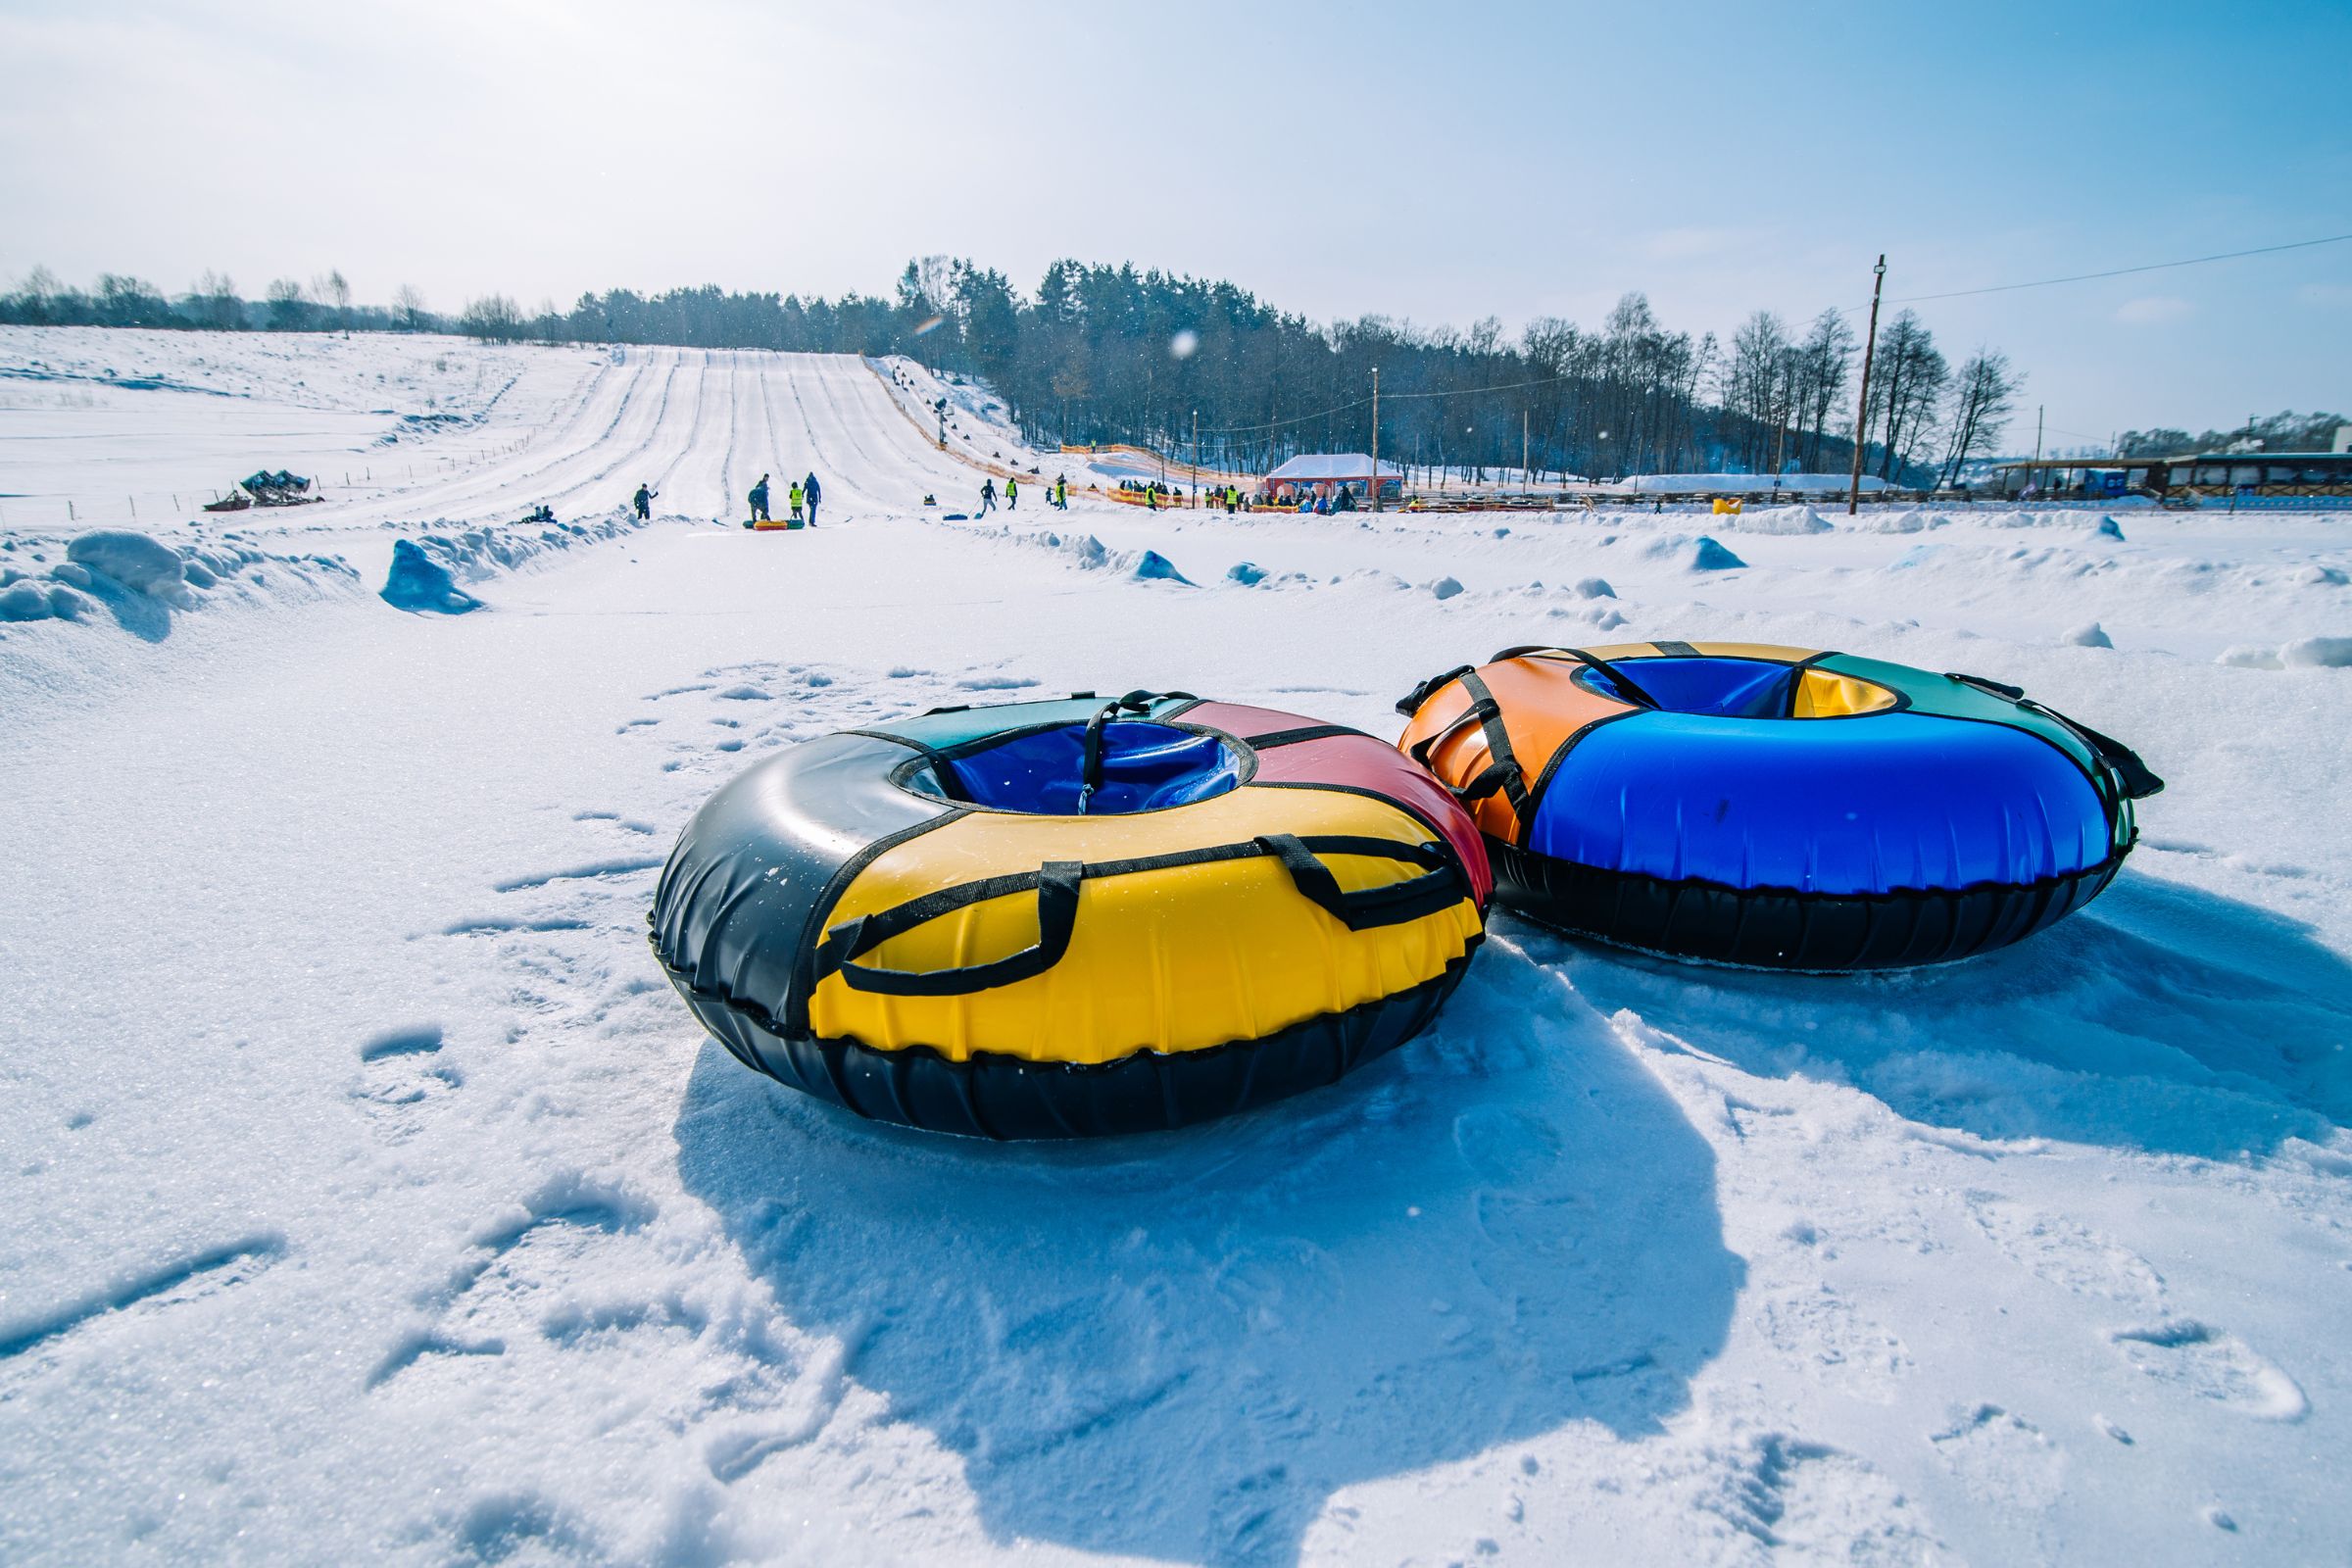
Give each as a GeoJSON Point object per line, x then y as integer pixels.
{"type": "Point", "coordinates": [1984, 396]}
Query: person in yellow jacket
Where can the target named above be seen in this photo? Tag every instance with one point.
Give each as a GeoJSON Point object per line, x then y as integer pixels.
{"type": "Point", "coordinates": [1012, 495]}
{"type": "Point", "coordinates": [794, 497]}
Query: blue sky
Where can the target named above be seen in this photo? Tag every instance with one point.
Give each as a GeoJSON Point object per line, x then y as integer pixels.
{"type": "Point", "coordinates": [1441, 163]}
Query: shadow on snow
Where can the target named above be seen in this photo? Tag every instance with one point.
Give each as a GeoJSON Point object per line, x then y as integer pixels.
{"type": "Point", "coordinates": [2163, 1019]}
{"type": "Point", "coordinates": [1180, 1346]}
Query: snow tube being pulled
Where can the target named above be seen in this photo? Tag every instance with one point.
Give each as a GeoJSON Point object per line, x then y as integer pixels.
{"type": "Point", "coordinates": [1777, 806]}
{"type": "Point", "coordinates": [1073, 917]}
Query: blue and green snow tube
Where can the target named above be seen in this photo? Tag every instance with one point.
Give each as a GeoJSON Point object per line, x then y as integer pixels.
{"type": "Point", "coordinates": [1777, 806]}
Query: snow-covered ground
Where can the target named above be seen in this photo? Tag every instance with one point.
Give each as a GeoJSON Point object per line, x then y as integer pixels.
{"type": "Point", "coordinates": [369, 1196]}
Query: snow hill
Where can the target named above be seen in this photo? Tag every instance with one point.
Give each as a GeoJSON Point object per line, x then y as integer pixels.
{"type": "Point", "coordinates": [370, 1196]}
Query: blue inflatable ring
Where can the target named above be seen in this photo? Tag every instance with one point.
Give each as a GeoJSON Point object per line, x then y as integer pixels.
{"type": "Point", "coordinates": [1779, 807]}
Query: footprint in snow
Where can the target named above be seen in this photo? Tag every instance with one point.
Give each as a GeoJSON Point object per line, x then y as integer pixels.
{"type": "Point", "coordinates": [138, 1292]}
{"type": "Point", "coordinates": [400, 1072]}
{"type": "Point", "coordinates": [494, 1291]}
{"type": "Point", "coordinates": [2206, 1363]}
{"type": "Point", "coordinates": [2070, 1255]}
{"type": "Point", "coordinates": [1818, 1331]}
{"type": "Point", "coordinates": [2003, 1458]}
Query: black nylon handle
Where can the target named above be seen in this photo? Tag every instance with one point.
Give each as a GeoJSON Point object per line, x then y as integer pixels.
{"type": "Point", "coordinates": [1368, 908]}
{"type": "Point", "coordinates": [1057, 885]}
{"type": "Point", "coordinates": [2134, 777]}
{"type": "Point", "coordinates": [1410, 702]}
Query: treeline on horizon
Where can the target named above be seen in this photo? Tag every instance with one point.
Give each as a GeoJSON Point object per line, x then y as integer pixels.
{"type": "Point", "coordinates": [1194, 368]}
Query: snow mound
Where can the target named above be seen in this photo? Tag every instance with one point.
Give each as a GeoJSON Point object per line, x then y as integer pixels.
{"type": "Point", "coordinates": [1781, 521]}
{"type": "Point", "coordinates": [2249, 656]}
{"type": "Point", "coordinates": [1248, 574]}
{"type": "Point", "coordinates": [1709, 556]}
{"type": "Point", "coordinates": [140, 562]}
{"type": "Point", "coordinates": [2318, 652]}
{"type": "Point", "coordinates": [1898, 522]}
{"type": "Point", "coordinates": [1445, 587]}
{"type": "Point", "coordinates": [419, 582]}
{"type": "Point", "coordinates": [23, 600]}
{"type": "Point", "coordinates": [1594, 588]}
{"type": "Point", "coordinates": [2091, 636]}
{"type": "Point", "coordinates": [2109, 528]}
{"type": "Point", "coordinates": [1156, 567]}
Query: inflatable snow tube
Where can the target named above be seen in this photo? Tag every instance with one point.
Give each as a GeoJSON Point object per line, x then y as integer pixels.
{"type": "Point", "coordinates": [1776, 806]}
{"type": "Point", "coordinates": [1073, 917]}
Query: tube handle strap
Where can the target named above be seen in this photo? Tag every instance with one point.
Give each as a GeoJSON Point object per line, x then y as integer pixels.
{"type": "Point", "coordinates": [1410, 702]}
{"type": "Point", "coordinates": [1626, 686]}
{"type": "Point", "coordinates": [1503, 773]}
{"type": "Point", "coordinates": [1057, 883]}
{"type": "Point", "coordinates": [1441, 887]}
{"type": "Point", "coordinates": [2134, 777]}
{"type": "Point", "coordinates": [1139, 700]}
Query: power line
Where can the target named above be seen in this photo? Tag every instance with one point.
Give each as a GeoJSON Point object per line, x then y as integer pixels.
{"type": "Point", "coordinates": [2116, 272]}
{"type": "Point", "coordinates": [1909, 299]}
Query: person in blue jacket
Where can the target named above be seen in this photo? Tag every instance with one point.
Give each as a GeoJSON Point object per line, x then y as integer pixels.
{"type": "Point", "coordinates": [811, 491]}
{"type": "Point", "coordinates": [760, 500]}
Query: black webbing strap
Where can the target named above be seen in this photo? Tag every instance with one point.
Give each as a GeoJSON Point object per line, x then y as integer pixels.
{"type": "Point", "coordinates": [1410, 702]}
{"type": "Point", "coordinates": [2134, 777]}
{"type": "Point", "coordinates": [1304, 732]}
{"type": "Point", "coordinates": [1441, 887]}
{"type": "Point", "coordinates": [1627, 687]}
{"type": "Point", "coordinates": [1139, 700]}
{"type": "Point", "coordinates": [1502, 772]}
{"type": "Point", "coordinates": [1625, 684]}
{"type": "Point", "coordinates": [1057, 885]}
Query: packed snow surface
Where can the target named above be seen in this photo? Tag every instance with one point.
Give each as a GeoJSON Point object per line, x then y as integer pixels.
{"type": "Point", "coordinates": [370, 1196]}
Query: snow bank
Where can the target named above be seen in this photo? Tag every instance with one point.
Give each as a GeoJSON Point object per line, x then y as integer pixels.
{"type": "Point", "coordinates": [1777, 519]}
{"type": "Point", "coordinates": [1708, 556]}
{"type": "Point", "coordinates": [1156, 567]}
{"type": "Point", "coordinates": [137, 561]}
{"type": "Point", "coordinates": [2318, 652]}
{"type": "Point", "coordinates": [419, 582]}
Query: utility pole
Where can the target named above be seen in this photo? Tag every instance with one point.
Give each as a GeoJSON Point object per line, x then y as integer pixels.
{"type": "Point", "coordinates": [1195, 457]}
{"type": "Point", "coordinates": [1376, 438]}
{"type": "Point", "coordinates": [1523, 483]}
{"type": "Point", "coordinates": [1870, 347]}
{"type": "Point", "coordinates": [2040, 409]}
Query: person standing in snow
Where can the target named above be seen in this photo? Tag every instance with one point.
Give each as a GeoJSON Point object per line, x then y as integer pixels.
{"type": "Point", "coordinates": [987, 496]}
{"type": "Point", "coordinates": [760, 500]}
{"type": "Point", "coordinates": [809, 489]}
{"type": "Point", "coordinates": [644, 503]}
{"type": "Point", "coordinates": [792, 496]}
{"type": "Point", "coordinates": [1012, 495]}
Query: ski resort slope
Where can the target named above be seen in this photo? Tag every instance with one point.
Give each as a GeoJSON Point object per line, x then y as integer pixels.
{"type": "Point", "coordinates": [372, 1197]}
{"type": "Point", "coordinates": [137, 429]}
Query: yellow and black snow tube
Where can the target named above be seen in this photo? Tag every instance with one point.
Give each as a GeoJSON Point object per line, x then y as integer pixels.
{"type": "Point", "coordinates": [1052, 920]}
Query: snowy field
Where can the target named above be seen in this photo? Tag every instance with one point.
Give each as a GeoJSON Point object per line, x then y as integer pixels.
{"type": "Point", "coordinates": [370, 1196]}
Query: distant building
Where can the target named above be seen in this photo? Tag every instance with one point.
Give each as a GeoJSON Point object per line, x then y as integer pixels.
{"type": "Point", "coordinates": [1326, 474]}
{"type": "Point", "coordinates": [2211, 473]}
{"type": "Point", "coordinates": [2343, 438]}
{"type": "Point", "coordinates": [1671, 485]}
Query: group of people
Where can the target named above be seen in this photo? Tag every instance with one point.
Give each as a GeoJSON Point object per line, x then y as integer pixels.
{"type": "Point", "coordinates": [1058, 494]}
{"type": "Point", "coordinates": [803, 494]}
